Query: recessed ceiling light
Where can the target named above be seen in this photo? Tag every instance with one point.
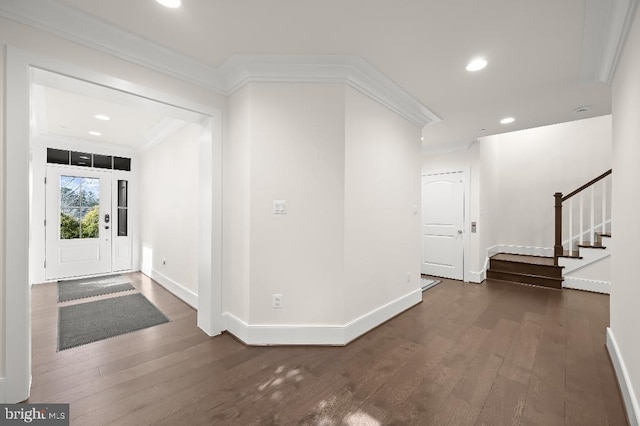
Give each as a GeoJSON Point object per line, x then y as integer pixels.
{"type": "Point", "coordinates": [94, 133]}
{"type": "Point", "coordinates": [422, 138]}
{"type": "Point", "coordinates": [170, 3]}
{"type": "Point", "coordinates": [477, 64]}
{"type": "Point", "coordinates": [102, 117]}
{"type": "Point", "coordinates": [507, 120]}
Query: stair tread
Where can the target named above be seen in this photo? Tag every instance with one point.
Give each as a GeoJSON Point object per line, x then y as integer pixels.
{"type": "Point", "coordinates": [595, 245]}
{"type": "Point", "coordinates": [571, 254]}
{"type": "Point", "coordinates": [523, 258]}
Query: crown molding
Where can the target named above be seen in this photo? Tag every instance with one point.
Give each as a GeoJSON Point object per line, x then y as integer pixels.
{"type": "Point", "coordinates": [606, 26]}
{"type": "Point", "coordinates": [71, 24]}
{"type": "Point", "coordinates": [61, 20]}
{"type": "Point", "coordinates": [351, 70]}
{"type": "Point", "coordinates": [429, 150]}
{"type": "Point", "coordinates": [162, 131]}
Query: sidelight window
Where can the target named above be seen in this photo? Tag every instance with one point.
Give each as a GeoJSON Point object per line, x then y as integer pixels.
{"type": "Point", "coordinates": [123, 188]}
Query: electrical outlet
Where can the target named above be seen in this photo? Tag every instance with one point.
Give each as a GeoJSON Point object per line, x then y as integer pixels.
{"type": "Point", "coordinates": [276, 301]}
{"type": "Point", "coordinates": [164, 261]}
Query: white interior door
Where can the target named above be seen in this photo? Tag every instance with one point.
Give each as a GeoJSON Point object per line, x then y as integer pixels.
{"type": "Point", "coordinates": [78, 224]}
{"type": "Point", "coordinates": [442, 225]}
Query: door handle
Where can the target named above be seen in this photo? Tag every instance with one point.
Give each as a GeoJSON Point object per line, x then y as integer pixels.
{"type": "Point", "coordinates": [107, 218]}
{"type": "Point", "coordinates": [459, 231]}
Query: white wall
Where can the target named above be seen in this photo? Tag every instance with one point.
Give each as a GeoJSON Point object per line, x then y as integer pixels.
{"type": "Point", "coordinates": [625, 291]}
{"type": "Point", "coordinates": [297, 155]}
{"type": "Point", "coordinates": [514, 176]}
{"type": "Point", "coordinates": [382, 186]}
{"type": "Point", "coordinates": [169, 199]}
{"type": "Point", "coordinates": [349, 170]}
{"type": "Point", "coordinates": [522, 170]}
{"type": "Point", "coordinates": [39, 43]}
{"type": "Point", "coordinates": [236, 204]}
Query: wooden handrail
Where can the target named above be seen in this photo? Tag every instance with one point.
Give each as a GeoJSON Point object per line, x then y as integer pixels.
{"type": "Point", "coordinates": [558, 250]}
{"type": "Point", "coordinates": [586, 185]}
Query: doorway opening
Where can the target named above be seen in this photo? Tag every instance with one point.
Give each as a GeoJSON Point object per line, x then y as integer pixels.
{"type": "Point", "coordinates": [25, 205]}
{"type": "Point", "coordinates": [445, 205]}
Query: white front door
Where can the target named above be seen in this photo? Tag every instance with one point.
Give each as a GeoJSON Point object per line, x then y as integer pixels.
{"type": "Point", "coordinates": [78, 224]}
{"type": "Point", "coordinates": [442, 225]}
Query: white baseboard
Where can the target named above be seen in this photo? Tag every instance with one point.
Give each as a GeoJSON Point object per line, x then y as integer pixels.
{"type": "Point", "coordinates": [628, 394]}
{"type": "Point", "coordinates": [371, 320]}
{"type": "Point", "coordinates": [477, 277]}
{"type": "Point", "coordinates": [177, 289]}
{"type": "Point", "coordinates": [587, 285]}
{"type": "Point", "coordinates": [283, 334]}
{"type": "Point", "coordinates": [318, 334]}
{"type": "Point", "coordinates": [3, 393]}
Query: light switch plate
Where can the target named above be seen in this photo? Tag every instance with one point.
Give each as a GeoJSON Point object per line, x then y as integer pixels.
{"type": "Point", "coordinates": [279, 207]}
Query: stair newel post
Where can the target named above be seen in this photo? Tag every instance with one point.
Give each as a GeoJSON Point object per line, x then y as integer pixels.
{"type": "Point", "coordinates": [557, 248]}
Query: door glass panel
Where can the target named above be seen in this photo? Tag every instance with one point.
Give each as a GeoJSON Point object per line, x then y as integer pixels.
{"type": "Point", "coordinates": [69, 223]}
{"type": "Point", "coordinates": [70, 191]}
{"type": "Point", "coordinates": [79, 207]}
{"type": "Point", "coordinates": [90, 223]}
{"type": "Point", "coordinates": [122, 222]}
{"type": "Point", "coordinates": [90, 193]}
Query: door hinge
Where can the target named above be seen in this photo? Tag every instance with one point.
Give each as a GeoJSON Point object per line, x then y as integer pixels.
{"type": "Point", "coordinates": [45, 180]}
{"type": "Point", "coordinates": [45, 222]}
{"type": "Point", "coordinates": [45, 263]}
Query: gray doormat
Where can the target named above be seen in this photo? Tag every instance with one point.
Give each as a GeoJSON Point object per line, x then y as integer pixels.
{"type": "Point", "coordinates": [92, 321]}
{"type": "Point", "coordinates": [88, 287]}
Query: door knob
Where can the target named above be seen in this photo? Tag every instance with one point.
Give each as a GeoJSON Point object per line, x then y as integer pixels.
{"type": "Point", "coordinates": [459, 231]}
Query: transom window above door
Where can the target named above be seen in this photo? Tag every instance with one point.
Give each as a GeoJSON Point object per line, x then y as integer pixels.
{"type": "Point", "coordinates": [86, 159]}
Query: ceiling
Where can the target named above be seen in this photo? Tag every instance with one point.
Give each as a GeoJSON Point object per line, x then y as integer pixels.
{"type": "Point", "coordinates": [72, 115]}
{"type": "Point", "coordinates": [534, 49]}
{"type": "Point", "coordinates": [67, 107]}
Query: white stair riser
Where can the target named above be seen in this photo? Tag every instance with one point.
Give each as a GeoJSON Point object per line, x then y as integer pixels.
{"type": "Point", "coordinates": [589, 257]}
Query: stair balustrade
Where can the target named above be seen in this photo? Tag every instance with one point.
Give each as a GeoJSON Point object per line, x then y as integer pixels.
{"type": "Point", "coordinates": [582, 219]}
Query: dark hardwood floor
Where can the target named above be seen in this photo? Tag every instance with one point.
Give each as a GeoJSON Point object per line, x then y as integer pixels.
{"type": "Point", "coordinates": [490, 354]}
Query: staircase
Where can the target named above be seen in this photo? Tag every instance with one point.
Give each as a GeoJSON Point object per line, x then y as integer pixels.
{"type": "Point", "coordinates": [582, 270]}
{"type": "Point", "coordinates": [580, 259]}
{"type": "Point", "coordinates": [533, 270]}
